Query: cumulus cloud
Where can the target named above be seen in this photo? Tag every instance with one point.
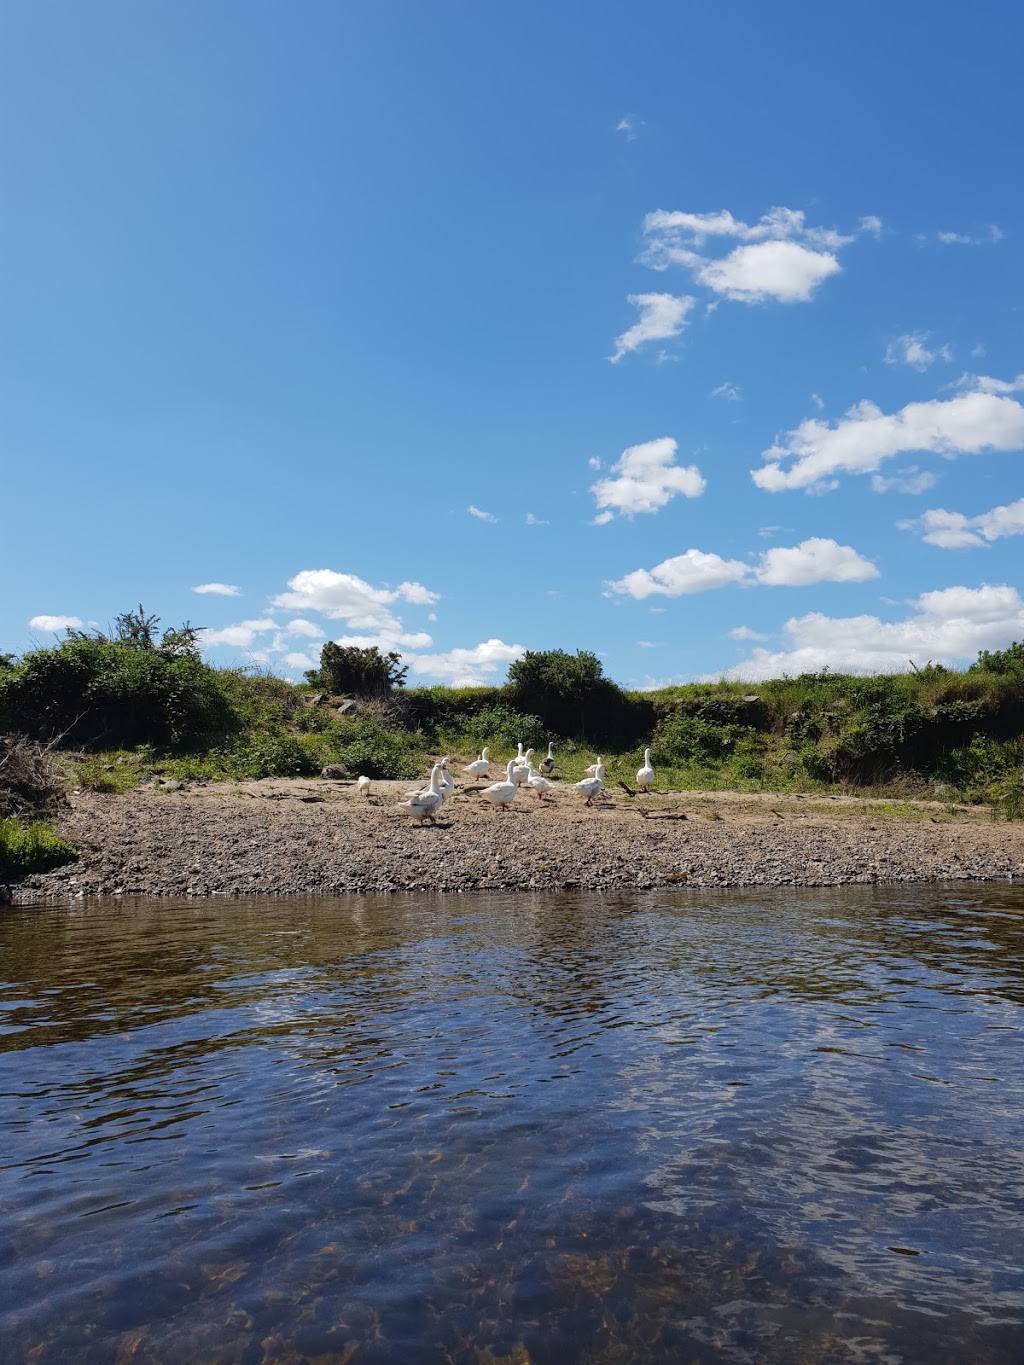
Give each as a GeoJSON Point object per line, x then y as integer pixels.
{"type": "Point", "coordinates": [871, 224]}
{"type": "Point", "coordinates": [682, 575]}
{"type": "Point", "coordinates": [55, 623]}
{"type": "Point", "coordinates": [645, 479]}
{"type": "Point", "coordinates": [344, 596]}
{"type": "Point", "coordinates": [218, 589]}
{"type": "Point", "coordinates": [299, 660]}
{"type": "Point", "coordinates": [865, 437]}
{"type": "Point", "coordinates": [480, 516]}
{"type": "Point", "coordinates": [954, 531]}
{"type": "Point", "coordinates": [467, 667]}
{"type": "Point", "coordinates": [813, 561]}
{"type": "Point", "coordinates": [241, 636]}
{"type": "Point", "coordinates": [661, 316]}
{"type": "Point", "coordinates": [911, 350]}
{"type": "Point", "coordinates": [302, 627]}
{"type": "Point", "coordinates": [816, 560]}
{"type": "Point", "coordinates": [780, 257]}
{"type": "Point", "coordinates": [745, 633]}
{"type": "Point", "coordinates": [948, 626]}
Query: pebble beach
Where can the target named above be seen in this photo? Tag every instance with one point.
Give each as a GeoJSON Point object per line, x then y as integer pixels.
{"type": "Point", "coordinates": [308, 837]}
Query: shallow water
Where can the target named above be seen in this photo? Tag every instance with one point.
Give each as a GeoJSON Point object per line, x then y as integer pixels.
{"type": "Point", "coordinates": [771, 1126]}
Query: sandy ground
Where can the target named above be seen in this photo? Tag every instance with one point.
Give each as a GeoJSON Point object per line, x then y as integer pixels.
{"type": "Point", "coordinates": [319, 837]}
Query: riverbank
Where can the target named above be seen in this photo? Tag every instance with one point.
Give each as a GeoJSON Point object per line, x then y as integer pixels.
{"type": "Point", "coordinates": [317, 837]}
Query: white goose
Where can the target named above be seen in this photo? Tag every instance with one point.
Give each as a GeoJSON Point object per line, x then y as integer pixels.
{"type": "Point", "coordinates": [481, 766]}
{"type": "Point", "coordinates": [363, 786]}
{"type": "Point", "coordinates": [592, 786]}
{"type": "Point", "coordinates": [425, 805]}
{"type": "Point", "coordinates": [645, 775]}
{"type": "Point", "coordinates": [547, 765]}
{"type": "Point", "coordinates": [501, 793]}
{"type": "Point", "coordinates": [521, 772]}
{"type": "Point", "coordinates": [447, 782]}
{"type": "Point", "coordinates": [539, 784]}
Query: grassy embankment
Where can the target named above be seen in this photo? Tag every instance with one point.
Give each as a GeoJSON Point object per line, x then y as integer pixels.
{"type": "Point", "coordinates": [115, 711]}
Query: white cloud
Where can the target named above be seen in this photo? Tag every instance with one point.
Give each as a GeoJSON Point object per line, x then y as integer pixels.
{"type": "Point", "coordinates": [745, 633]}
{"type": "Point", "coordinates": [594, 462]}
{"type": "Point", "coordinates": [781, 257]}
{"type": "Point", "coordinates": [727, 390]}
{"type": "Point", "coordinates": [909, 480]}
{"type": "Point", "coordinates": [786, 271]}
{"type": "Point", "coordinates": [241, 635]}
{"type": "Point", "coordinates": [816, 560]}
{"type": "Point", "coordinates": [531, 520]}
{"type": "Point", "coordinates": [813, 561]}
{"type": "Point", "coordinates": [954, 531]}
{"type": "Point", "coordinates": [684, 574]}
{"type": "Point", "coordinates": [818, 401]}
{"type": "Point", "coordinates": [858, 444]}
{"type": "Point", "coordinates": [299, 661]}
{"type": "Point", "coordinates": [302, 627]}
{"type": "Point", "coordinates": [947, 626]}
{"type": "Point", "coordinates": [661, 316]}
{"type": "Point", "coordinates": [630, 126]}
{"type": "Point", "coordinates": [984, 383]}
{"type": "Point", "coordinates": [467, 667]}
{"type": "Point", "coordinates": [480, 516]}
{"type": "Point", "coordinates": [218, 589]}
{"type": "Point", "coordinates": [646, 644]}
{"type": "Point", "coordinates": [343, 596]}
{"type": "Point", "coordinates": [872, 224]}
{"type": "Point", "coordinates": [911, 350]}
{"type": "Point", "coordinates": [992, 234]}
{"type": "Point", "coordinates": [55, 623]}
{"type": "Point", "coordinates": [646, 480]}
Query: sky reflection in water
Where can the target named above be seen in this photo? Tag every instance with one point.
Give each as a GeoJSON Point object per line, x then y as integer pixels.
{"type": "Point", "coordinates": [738, 1126]}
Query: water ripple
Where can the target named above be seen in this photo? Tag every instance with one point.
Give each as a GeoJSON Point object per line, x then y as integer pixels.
{"type": "Point", "coordinates": [739, 1126]}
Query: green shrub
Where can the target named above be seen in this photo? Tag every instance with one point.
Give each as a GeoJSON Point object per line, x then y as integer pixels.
{"type": "Point", "coordinates": [110, 694]}
{"type": "Point", "coordinates": [367, 748]}
{"type": "Point", "coordinates": [35, 847]}
{"type": "Point", "coordinates": [684, 739]}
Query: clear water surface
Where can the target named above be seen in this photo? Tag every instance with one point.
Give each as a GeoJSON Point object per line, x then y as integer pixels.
{"type": "Point", "coordinates": [773, 1126]}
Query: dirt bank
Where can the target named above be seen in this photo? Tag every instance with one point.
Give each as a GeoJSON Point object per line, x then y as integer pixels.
{"type": "Point", "coordinates": [279, 838]}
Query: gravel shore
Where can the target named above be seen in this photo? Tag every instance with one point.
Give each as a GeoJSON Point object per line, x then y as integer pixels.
{"type": "Point", "coordinates": [281, 838]}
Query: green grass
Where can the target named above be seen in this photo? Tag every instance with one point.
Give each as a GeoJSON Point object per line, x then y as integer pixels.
{"type": "Point", "coordinates": [35, 847]}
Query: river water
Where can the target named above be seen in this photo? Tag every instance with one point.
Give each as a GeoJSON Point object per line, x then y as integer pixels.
{"type": "Point", "coordinates": [741, 1126]}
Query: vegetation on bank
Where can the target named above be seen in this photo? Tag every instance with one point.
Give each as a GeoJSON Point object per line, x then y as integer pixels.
{"type": "Point", "coordinates": [116, 707]}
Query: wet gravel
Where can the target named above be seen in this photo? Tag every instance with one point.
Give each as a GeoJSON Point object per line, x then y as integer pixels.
{"type": "Point", "coordinates": [321, 838]}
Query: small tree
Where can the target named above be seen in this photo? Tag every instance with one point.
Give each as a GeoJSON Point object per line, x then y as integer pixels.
{"type": "Point", "coordinates": [561, 688]}
{"type": "Point", "coordinates": [1003, 661]}
{"type": "Point", "coordinates": [366, 673]}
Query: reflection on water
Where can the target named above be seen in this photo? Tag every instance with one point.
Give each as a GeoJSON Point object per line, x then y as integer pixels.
{"type": "Point", "coordinates": [735, 1127]}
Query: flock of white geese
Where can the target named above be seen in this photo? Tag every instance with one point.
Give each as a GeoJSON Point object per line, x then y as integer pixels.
{"type": "Point", "coordinates": [519, 772]}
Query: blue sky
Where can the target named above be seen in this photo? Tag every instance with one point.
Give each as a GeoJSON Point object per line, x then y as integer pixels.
{"type": "Point", "coordinates": [691, 335]}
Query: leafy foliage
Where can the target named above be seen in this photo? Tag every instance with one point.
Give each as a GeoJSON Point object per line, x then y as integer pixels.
{"type": "Point", "coordinates": [1002, 661]}
{"type": "Point", "coordinates": [35, 847]}
{"type": "Point", "coordinates": [363, 672]}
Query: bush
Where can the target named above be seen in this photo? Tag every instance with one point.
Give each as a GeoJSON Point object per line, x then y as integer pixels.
{"type": "Point", "coordinates": [25, 849]}
{"type": "Point", "coordinates": [679, 738]}
{"type": "Point", "coordinates": [367, 748]}
{"type": "Point", "coordinates": [363, 672]}
{"type": "Point", "coordinates": [98, 692]}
